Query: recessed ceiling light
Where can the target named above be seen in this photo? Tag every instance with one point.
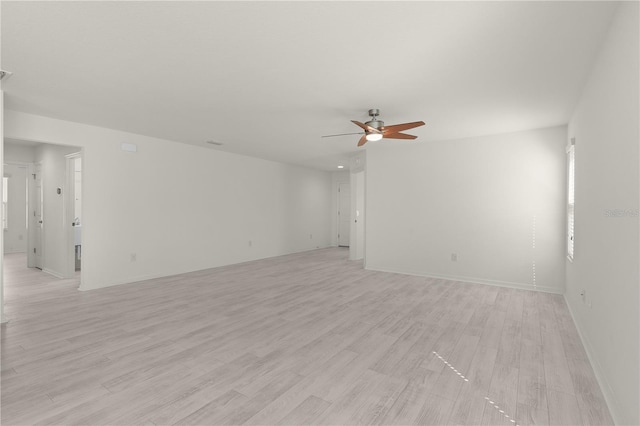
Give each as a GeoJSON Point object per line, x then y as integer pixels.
{"type": "Point", "coordinates": [341, 167]}
{"type": "Point", "coordinates": [215, 143]}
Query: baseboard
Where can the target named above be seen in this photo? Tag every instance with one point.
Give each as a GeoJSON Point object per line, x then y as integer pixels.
{"type": "Point", "coordinates": [83, 286]}
{"type": "Point", "coordinates": [473, 280]}
{"type": "Point", "coordinates": [54, 273]}
{"type": "Point", "coordinates": [137, 279]}
{"type": "Point", "coordinates": [607, 391]}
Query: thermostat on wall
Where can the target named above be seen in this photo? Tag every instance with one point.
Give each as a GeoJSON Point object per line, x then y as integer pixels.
{"type": "Point", "coordinates": [129, 147]}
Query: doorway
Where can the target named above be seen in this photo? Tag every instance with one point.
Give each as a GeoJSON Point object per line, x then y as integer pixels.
{"type": "Point", "coordinates": [45, 212]}
{"type": "Point", "coordinates": [52, 196]}
{"type": "Point", "coordinates": [73, 213]}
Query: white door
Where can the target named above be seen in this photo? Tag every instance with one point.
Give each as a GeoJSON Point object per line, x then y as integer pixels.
{"type": "Point", "coordinates": [344, 214]}
{"type": "Point", "coordinates": [38, 222]}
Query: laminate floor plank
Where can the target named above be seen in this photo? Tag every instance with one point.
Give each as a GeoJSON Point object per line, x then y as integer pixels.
{"type": "Point", "coordinates": [271, 392]}
{"type": "Point", "coordinates": [307, 387]}
{"type": "Point", "coordinates": [530, 416]}
{"type": "Point", "coordinates": [532, 389]}
{"type": "Point", "coordinates": [501, 399]}
{"type": "Point", "coordinates": [435, 411]}
{"type": "Point", "coordinates": [306, 412]}
{"type": "Point", "coordinates": [469, 406]}
{"type": "Point", "coordinates": [207, 413]}
{"type": "Point", "coordinates": [407, 406]}
{"type": "Point", "coordinates": [556, 366]}
{"type": "Point", "coordinates": [563, 409]}
{"type": "Point", "coordinates": [368, 400]}
{"type": "Point", "coordinates": [307, 338]}
{"type": "Point", "coordinates": [509, 347]}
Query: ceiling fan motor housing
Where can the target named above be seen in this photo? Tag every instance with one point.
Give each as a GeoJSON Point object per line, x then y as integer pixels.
{"type": "Point", "coordinates": [374, 122]}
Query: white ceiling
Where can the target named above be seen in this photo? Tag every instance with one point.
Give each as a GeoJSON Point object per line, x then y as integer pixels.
{"type": "Point", "coordinates": [269, 78]}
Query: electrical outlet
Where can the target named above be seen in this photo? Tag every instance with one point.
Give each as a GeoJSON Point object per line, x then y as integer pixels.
{"type": "Point", "coordinates": [250, 243]}
{"type": "Point", "coordinates": [454, 257]}
{"type": "Point", "coordinates": [134, 257]}
{"type": "Point", "coordinates": [311, 236]}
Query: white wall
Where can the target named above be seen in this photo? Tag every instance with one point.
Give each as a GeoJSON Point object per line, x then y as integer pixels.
{"type": "Point", "coordinates": [2, 317]}
{"type": "Point", "coordinates": [357, 237]}
{"type": "Point", "coordinates": [14, 151]}
{"type": "Point", "coordinates": [15, 237]}
{"type": "Point", "coordinates": [605, 125]}
{"type": "Point", "coordinates": [179, 207]}
{"type": "Point", "coordinates": [476, 198]}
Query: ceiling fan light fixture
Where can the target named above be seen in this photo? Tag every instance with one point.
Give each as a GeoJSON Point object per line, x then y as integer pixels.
{"type": "Point", "coordinates": [374, 129]}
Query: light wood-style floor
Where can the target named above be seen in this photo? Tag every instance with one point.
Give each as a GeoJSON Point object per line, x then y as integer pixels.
{"type": "Point", "coordinates": [309, 338]}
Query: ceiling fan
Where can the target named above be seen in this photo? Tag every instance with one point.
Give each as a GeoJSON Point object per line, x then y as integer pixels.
{"type": "Point", "coordinates": [374, 129]}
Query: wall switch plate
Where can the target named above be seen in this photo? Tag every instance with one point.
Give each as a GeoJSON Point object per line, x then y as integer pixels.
{"type": "Point", "coordinates": [454, 257]}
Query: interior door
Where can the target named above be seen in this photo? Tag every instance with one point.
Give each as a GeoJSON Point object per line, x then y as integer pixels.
{"type": "Point", "coordinates": [38, 217]}
{"type": "Point", "coordinates": [344, 214]}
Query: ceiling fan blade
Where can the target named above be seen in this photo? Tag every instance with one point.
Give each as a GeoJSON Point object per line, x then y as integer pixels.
{"type": "Point", "coordinates": [362, 140]}
{"type": "Point", "coordinates": [365, 127]}
{"type": "Point", "coordinates": [399, 136]}
{"type": "Point", "coordinates": [340, 134]}
{"type": "Point", "coordinates": [395, 128]}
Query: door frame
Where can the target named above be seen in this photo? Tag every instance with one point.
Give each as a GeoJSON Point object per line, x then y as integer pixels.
{"type": "Point", "coordinates": [358, 217]}
{"type": "Point", "coordinates": [69, 212]}
{"type": "Point", "coordinates": [32, 222]}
